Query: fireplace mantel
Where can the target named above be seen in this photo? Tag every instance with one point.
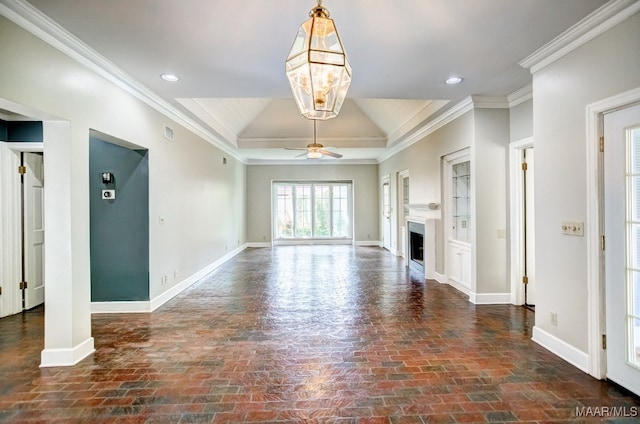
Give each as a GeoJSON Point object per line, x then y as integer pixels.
{"type": "Point", "coordinates": [423, 212]}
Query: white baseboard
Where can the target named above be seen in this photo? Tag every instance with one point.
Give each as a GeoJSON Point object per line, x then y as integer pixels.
{"type": "Point", "coordinates": [490, 298]}
{"type": "Point", "coordinates": [302, 242]}
{"type": "Point", "coordinates": [120, 307]}
{"type": "Point", "coordinates": [156, 302]}
{"type": "Point", "coordinates": [464, 289]}
{"type": "Point", "coordinates": [440, 278]}
{"type": "Point", "coordinates": [66, 357]}
{"type": "Point", "coordinates": [374, 243]}
{"type": "Point", "coordinates": [259, 244]}
{"type": "Point", "coordinates": [574, 356]}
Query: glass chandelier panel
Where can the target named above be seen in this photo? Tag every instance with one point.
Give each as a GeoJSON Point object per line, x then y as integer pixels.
{"type": "Point", "coordinates": [318, 68]}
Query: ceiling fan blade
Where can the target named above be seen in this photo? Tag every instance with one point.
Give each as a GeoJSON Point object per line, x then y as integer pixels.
{"type": "Point", "coordinates": [301, 155]}
{"type": "Point", "coordinates": [332, 154]}
{"type": "Point", "coordinates": [295, 148]}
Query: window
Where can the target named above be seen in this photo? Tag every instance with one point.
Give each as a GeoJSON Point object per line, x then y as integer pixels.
{"type": "Point", "coordinates": [312, 210]}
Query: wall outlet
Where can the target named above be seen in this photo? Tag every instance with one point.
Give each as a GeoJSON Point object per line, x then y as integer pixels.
{"type": "Point", "coordinates": [175, 274]}
{"type": "Point", "coordinates": [573, 228]}
{"type": "Point", "coordinates": [553, 317]}
{"type": "Point", "coordinates": [165, 279]}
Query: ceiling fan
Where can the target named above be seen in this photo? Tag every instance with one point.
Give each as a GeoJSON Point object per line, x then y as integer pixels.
{"type": "Point", "coordinates": [315, 150]}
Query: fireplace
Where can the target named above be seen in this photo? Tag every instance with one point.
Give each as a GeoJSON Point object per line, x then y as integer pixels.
{"type": "Point", "coordinates": [416, 244]}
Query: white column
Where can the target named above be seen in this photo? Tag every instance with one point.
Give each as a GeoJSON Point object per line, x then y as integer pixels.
{"type": "Point", "coordinates": [67, 331]}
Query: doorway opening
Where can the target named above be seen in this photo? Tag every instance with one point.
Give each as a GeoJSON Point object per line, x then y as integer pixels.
{"type": "Point", "coordinates": [21, 214]}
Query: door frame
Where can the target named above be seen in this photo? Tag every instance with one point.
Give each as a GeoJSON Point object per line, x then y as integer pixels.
{"type": "Point", "coordinates": [516, 217]}
{"type": "Point", "coordinates": [386, 179]}
{"type": "Point", "coordinates": [596, 325]}
{"type": "Point", "coordinates": [401, 231]}
{"type": "Point", "coordinates": [12, 237]}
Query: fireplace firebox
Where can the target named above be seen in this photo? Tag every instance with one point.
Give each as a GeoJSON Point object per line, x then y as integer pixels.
{"type": "Point", "coordinates": [416, 244]}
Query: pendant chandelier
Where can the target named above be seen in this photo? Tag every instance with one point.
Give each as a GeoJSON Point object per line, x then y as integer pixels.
{"type": "Point", "coordinates": [317, 67]}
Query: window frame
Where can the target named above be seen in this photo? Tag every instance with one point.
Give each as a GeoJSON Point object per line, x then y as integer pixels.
{"type": "Point", "coordinates": [330, 213]}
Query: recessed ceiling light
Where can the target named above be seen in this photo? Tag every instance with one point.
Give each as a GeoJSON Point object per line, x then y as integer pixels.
{"type": "Point", "coordinates": [453, 80]}
{"type": "Point", "coordinates": [170, 77]}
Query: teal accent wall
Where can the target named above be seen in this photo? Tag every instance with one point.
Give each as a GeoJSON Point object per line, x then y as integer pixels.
{"type": "Point", "coordinates": [21, 131]}
{"type": "Point", "coordinates": [4, 136]}
{"type": "Point", "coordinates": [119, 227]}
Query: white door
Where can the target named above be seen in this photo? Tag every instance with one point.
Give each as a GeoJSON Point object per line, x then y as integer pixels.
{"type": "Point", "coordinates": [529, 259]}
{"type": "Point", "coordinates": [622, 241]}
{"type": "Point", "coordinates": [386, 215]}
{"type": "Point", "coordinates": [34, 229]}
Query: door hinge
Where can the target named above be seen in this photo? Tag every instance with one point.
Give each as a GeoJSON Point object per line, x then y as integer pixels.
{"type": "Point", "coordinates": [601, 144]}
{"type": "Point", "coordinates": [602, 242]}
{"type": "Point", "coordinates": [525, 279]}
{"type": "Point", "coordinates": [23, 285]}
{"type": "Point", "coordinates": [524, 166]}
{"type": "Point", "coordinates": [22, 170]}
{"type": "Point", "coordinates": [604, 342]}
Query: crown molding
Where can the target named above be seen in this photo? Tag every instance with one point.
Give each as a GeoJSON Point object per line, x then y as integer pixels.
{"type": "Point", "coordinates": [315, 162]}
{"type": "Point", "coordinates": [448, 116]}
{"type": "Point", "coordinates": [520, 96]}
{"type": "Point", "coordinates": [598, 22]}
{"type": "Point", "coordinates": [32, 20]}
{"type": "Point", "coordinates": [484, 102]}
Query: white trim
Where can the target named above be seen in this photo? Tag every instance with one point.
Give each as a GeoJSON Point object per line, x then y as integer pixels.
{"type": "Point", "coordinates": [374, 243]}
{"type": "Point", "coordinates": [490, 298]}
{"type": "Point", "coordinates": [303, 242]}
{"type": "Point", "coordinates": [66, 357]}
{"type": "Point", "coordinates": [25, 147]}
{"type": "Point", "coordinates": [574, 356]}
{"type": "Point", "coordinates": [156, 302]}
{"type": "Point", "coordinates": [440, 278]}
{"type": "Point", "coordinates": [598, 22]}
{"type": "Point", "coordinates": [448, 116]}
{"type": "Point", "coordinates": [10, 235]}
{"type": "Point", "coordinates": [461, 288]}
{"type": "Point", "coordinates": [485, 102]}
{"type": "Point", "coordinates": [315, 162]}
{"type": "Point", "coordinates": [595, 289]}
{"type": "Point", "coordinates": [515, 218]}
{"type": "Point", "coordinates": [40, 25]}
{"type": "Point", "coordinates": [120, 307]}
{"type": "Point", "coordinates": [520, 96]}
{"type": "Point", "coordinates": [256, 244]}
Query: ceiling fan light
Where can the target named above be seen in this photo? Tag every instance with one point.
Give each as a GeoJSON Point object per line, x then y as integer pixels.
{"type": "Point", "coordinates": [314, 155]}
{"type": "Point", "coordinates": [317, 67]}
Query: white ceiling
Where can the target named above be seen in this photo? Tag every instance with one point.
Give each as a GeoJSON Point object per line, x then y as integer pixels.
{"type": "Point", "coordinates": [230, 56]}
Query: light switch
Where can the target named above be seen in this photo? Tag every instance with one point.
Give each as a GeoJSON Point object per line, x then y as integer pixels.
{"type": "Point", "coordinates": [573, 228]}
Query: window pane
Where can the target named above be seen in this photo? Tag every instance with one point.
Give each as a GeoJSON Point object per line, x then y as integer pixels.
{"type": "Point", "coordinates": [340, 211]}
{"type": "Point", "coordinates": [306, 210]}
{"type": "Point", "coordinates": [284, 226]}
{"type": "Point", "coordinates": [322, 208]}
{"type": "Point", "coordinates": [634, 345]}
{"type": "Point", "coordinates": [303, 211]}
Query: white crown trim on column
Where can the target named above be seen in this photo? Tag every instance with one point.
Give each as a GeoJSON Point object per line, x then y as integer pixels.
{"type": "Point", "coordinates": [598, 22]}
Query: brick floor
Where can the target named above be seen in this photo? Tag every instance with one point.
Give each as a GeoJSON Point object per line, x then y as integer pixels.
{"type": "Point", "coordinates": [313, 334]}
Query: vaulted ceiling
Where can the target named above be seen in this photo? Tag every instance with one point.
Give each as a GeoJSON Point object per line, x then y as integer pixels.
{"type": "Point", "coordinates": [230, 56]}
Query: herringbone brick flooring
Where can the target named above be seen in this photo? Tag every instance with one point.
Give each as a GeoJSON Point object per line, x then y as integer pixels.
{"type": "Point", "coordinates": [306, 334]}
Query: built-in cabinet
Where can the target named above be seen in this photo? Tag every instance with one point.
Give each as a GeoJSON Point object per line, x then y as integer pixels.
{"type": "Point", "coordinates": [459, 261]}
{"type": "Point", "coordinates": [458, 210]}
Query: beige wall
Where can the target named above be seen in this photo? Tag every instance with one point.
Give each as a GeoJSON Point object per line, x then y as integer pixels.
{"type": "Point", "coordinates": [365, 194]}
{"type": "Point", "coordinates": [422, 159]}
{"type": "Point", "coordinates": [605, 66]}
{"type": "Point", "coordinates": [201, 202]}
